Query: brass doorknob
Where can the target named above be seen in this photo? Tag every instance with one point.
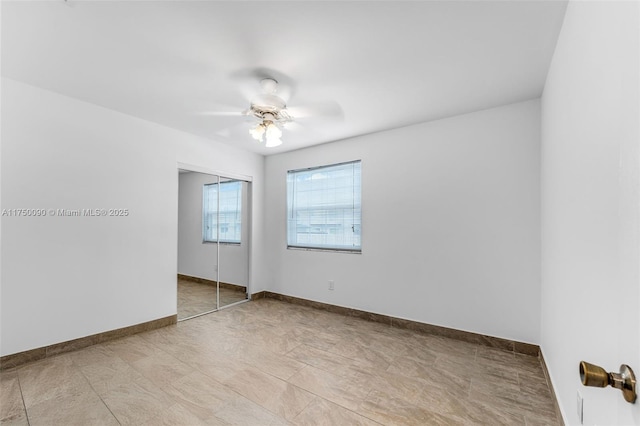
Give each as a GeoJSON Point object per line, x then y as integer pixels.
{"type": "Point", "coordinates": [596, 376]}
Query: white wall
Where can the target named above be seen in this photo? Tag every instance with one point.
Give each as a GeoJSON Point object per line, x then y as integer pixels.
{"type": "Point", "coordinates": [68, 277]}
{"type": "Point", "coordinates": [198, 259]}
{"type": "Point", "coordinates": [466, 254]}
{"type": "Point", "coordinates": [590, 206]}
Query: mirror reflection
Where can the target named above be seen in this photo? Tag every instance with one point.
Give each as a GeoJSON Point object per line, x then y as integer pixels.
{"type": "Point", "coordinates": [213, 242]}
{"type": "Point", "coordinates": [234, 240]}
{"type": "Point", "coordinates": [197, 275]}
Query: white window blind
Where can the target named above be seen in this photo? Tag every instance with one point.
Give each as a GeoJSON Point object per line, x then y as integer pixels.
{"type": "Point", "coordinates": [324, 210]}
{"type": "Point", "coordinates": [230, 212]}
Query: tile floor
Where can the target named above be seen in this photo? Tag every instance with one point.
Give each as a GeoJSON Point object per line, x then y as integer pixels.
{"type": "Point", "coordinates": [268, 362]}
{"type": "Point", "coordinates": [196, 298]}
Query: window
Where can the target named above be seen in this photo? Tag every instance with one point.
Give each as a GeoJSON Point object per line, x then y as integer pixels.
{"type": "Point", "coordinates": [323, 207]}
{"type": "Point", "coordinates": [230, 212]}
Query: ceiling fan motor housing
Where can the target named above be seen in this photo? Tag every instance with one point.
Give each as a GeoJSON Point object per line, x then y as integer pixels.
{"type": "Point", "coordinates": [269, 104]}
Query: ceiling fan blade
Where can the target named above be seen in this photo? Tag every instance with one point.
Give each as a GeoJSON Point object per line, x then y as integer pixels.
{"type": "Point", "coordinates": [213, 109]}
{"type": "Point", "coordinates": [224, 113]}
{"type": "Point", "coordinates": [292, 126]}
{"type": "Point", "coordinates": [238, 130]}
{"type": "Point", "coordinates": [329, 109]}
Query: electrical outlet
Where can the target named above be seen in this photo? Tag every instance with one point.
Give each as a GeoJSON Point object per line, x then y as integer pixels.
{"type": "Point", "coordinates": [580, 403]}
{"type": "Point", "coordinates": [331, 285]}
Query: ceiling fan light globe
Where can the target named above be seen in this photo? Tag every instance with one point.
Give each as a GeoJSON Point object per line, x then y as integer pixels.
{"type": "Point", "coordinates": [257, 132]}
{"type": "Point", "coordinates": [273, 142]}
{"type": "Point", "coordinates": [273, 132]}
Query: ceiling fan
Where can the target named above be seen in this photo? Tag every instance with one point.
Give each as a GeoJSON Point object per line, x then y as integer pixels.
{"type": "Point", "coordinates": [272, 113]}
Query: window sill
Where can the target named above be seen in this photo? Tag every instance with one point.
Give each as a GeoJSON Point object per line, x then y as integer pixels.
{"type": "Point", "coordinates": [327, 250]}
{"type": "Point", "coordinates": [222, 243]}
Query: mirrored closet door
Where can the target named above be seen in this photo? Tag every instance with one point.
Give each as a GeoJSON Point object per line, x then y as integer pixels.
{"type": "Point", "coordinates": [213, 242]}
{"type": "Point", "coordinates": [233, 251]}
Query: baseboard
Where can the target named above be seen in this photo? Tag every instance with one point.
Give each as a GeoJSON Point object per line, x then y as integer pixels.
{"type": "Point", "coordinates": [206, 281]}
{"type": "Point", "coordinates": [20, 358]}
{"type": "Point", "coordinates": [199, 280]}
{"type": "Point", "coordinates": [466, 336]}
{"type": "Point", "coordinates": [547, 376]}
{"type": "Point", "coordinates": [259, 295]}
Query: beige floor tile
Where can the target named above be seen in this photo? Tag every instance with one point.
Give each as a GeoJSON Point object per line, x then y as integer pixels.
{"type": "Point", "coordinates": [11, 405]}
{"type": "Point", "coordinates": [390, 410]}
{"type": "Point", "coordinates": [410, 367]}
{"type": "Point", "coordinates": [362, 355]}
{"type": "Point", "coordinates": [504, 390]}
{"type": "Point", "coordinates": [450, 404]}
{"type": "Point", "coordinates": [310, 336]}
{"type": "Point", "coordinates": [280, 397]}
{"type": "Point", "coordinates": [20, 420]}
{"type": "Point", "coordinates": [200, 394]}
{"type": "Point", "coordinates": [344, 391]}
{"type": "Point", "coordinates": [495, 374]}
{"type": "Point", "coordinates": [321, 412]}
{"type": "Point", "coordinates": [109, 374]}
{"type": "Point", "coordinates": [132, 348]}
{"type": "Point", "coordinates": [178, 414]}
{"type": "Point", "coordinates": [82, 410]}
{"type": "Point", "coordinates": [290, 402]}
{"type": "Point", "coordinates": [449, 347]}
{"type": "Point", "coordinates": [52, 378]}
{"type": "Point", "coordinates": [244, 412]}
{"type": "Point", "coordinates": [444, 375]}
{"type": "Point", "coordinates": [267, 340]}
{"type": "Point", "coordinates": [322, 359]}
{"type": "Point", "coordinates": [136, 402]}
{"type": "Point", "coordinates": [513, 401]}
{"type": "Point", "coordinates": [540, 420]}
{"type": "Point", "coordinates": [279, 366]}
{"type": "Point", "coordinates": [401, 386]}
{"type": "Point", "coordinates": [162, 368]}
{"type": "Point", "coordinates": [96, 354]}
{"type": "Point", "coordinates": [219, 367]}
{"type": "Point", "coordinates": [272, 363]}
{"type": "Point", "coordinates": [418, 352]}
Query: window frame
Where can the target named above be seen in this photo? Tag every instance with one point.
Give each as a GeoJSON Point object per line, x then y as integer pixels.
{"type": "Point", "coordinates": [240, 197]}
{"type": "Point", "coordinates": [288, 211]}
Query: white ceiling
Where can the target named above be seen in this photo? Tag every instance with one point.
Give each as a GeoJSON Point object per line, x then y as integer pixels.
{"type": "Point", "coordinates": [385, 63]}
